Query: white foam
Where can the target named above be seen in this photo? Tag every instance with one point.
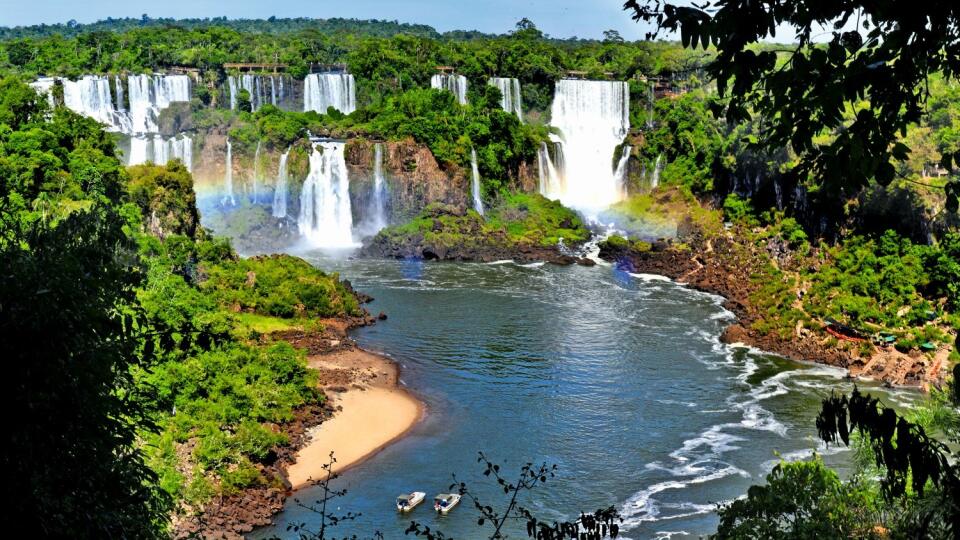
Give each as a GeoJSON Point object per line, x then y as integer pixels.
{"type": "Point", "coordinates": [649, 277]}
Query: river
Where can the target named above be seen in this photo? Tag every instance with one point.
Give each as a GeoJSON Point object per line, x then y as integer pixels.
{"type": "Point", "coordinates": [619, 380]}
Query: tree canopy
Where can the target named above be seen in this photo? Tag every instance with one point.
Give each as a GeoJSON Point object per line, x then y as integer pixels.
{"type": "Point", "coordinates": [864, 85]}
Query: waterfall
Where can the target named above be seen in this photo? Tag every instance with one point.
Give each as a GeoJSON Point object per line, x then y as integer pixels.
{"type": "Point", "coordinates": [150, 94]}
{"type": "Point", "coordinates": [378, 203]}
{"type": "Point", "coordinates": [457, 84]}
{"type": "Point", "coordinates": [158, 150]}
{"type": "Point", "coordinates": [232, 84]}
{"type": "Point", "coordinates": [621, 171]}
{"type": "Point", "coordinates": [325, 218]}
{"type": "Point", "coordinates": [475, 189]}
{"type": "Point", "coordinates": [510, 90]}
{"type": "Point", "coordinates": [280, 190]}
{"type": "Point", "coordinates": [550, 170]}
{"type": "Point", "coordinates": [324, 90]}
{"type": "Point", "coordinates": [138, 150]}
{"type": "Point", "coordinates": [256, 172]}
{"type": "Point", "coordinates": [593, 118]}
{"type": "Point", "coordinates": [228, 177]}
{"type": "Point", "coordinates": [118, 84]}
{"type": "Point", "coordinates": [262, 89]}
{"type": "Point", "coordinates": [655, 177]}
{"type": "Point", "coordinates": [161, 154]}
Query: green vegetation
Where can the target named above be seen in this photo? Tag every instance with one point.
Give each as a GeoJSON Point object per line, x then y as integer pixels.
{"type": "Point", "coordinates": [658, 215]}
{"type": "Point", "coordinates": [71, 328]}
{"type": "Point", "coordinates": [139, 386]}
{"type": "Point", "coordinates": [518, 221]}
{"type": "Point", "coordinates": [278, 285]}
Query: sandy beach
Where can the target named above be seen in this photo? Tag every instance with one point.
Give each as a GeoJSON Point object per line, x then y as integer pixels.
{"type": "Point", "coordinates": [372, 412]}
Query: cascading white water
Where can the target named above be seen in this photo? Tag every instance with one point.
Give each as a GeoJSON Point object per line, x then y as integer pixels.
{"type": "Point", "coordinates": [475, 184]}
{"type": "Point", "coordinates": [149, 94]}
{"type": "Point", "coordinates": [378, 202]}
{"type": "Point", "coordinates": [510, 90]}
{"type": "Point", "coordinates": [325, 219]}
{"type": "Point", "coordinates": [593, 118]}
{"type": "Point", "coordinates": [621, 171]}
{"type": "Point", "coordinates": [118, 85]}
{"type": "Point", "coordinates": [655, 177]}
{"type": "Point", "coordinates": [138, 150]}
{"type": "Point", "coordinates": [228, 177]}
{"type": "Point", "coordinates": [263, 89]}
{"type": "Point", "coordinates": [232, 85]}
{"type": "Point", "coordinates": [457, 84]}
{"type": "Point", "coordinates": [324, 90]}
{"type": "Point", "coordinates": [161, 154]}
{"type": "Point", "coordinates": [158, 150]}
{"type": "Point", "coordinates": [550, 169]}
{"type": "Point", "coordinates": [280, 189]}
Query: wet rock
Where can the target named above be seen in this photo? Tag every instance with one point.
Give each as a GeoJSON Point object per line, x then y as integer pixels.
{"type": "Point", "coordinates": [382, 316]}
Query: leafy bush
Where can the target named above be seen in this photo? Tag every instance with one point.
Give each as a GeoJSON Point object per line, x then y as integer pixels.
{"type": "Point", "coordinates": [279, 285]}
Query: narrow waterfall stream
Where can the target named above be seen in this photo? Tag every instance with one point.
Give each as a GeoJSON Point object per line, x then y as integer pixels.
{"type": "Point", "coordinates": [280, 189]}
{"type": "Point", "coordinates": [378, 200]}
{"type": "Point", "coordinates": [475, 183]}
{"type": "Point", "coordinates": [228, 177]}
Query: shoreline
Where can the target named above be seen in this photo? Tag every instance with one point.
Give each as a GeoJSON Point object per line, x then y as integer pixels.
{"type": "Point", "coordinates": [348, 375]}
{"type": "Point", "coordinates": [372, 412]}
{"type": "Point", "coordinates": [713, 265]}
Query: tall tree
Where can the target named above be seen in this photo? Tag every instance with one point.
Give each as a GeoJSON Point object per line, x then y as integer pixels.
{"type": "Point", "coordinates": [878, 51]}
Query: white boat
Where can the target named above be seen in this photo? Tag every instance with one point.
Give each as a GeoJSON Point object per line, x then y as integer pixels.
{"type": "Point", "coordinates": [445, 502]}
{"type": "Point", "coordinates": [409, 501]}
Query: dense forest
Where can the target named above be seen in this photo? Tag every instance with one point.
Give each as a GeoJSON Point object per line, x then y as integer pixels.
{"type": "Point", "coordinates": [164, 331]}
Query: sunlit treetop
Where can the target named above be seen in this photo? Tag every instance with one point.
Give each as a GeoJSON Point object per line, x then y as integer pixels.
{"type": "Point", "coordinates": [878, 51]}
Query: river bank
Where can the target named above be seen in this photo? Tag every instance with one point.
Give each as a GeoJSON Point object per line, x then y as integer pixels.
{"type": "Point", "coordinates": [721, 264]}
{"type": "Point", "coordinates": [365, 410]}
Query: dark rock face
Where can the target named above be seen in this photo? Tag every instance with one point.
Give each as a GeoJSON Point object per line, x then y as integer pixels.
{"type": "Point", "coordinates": [414, 179]}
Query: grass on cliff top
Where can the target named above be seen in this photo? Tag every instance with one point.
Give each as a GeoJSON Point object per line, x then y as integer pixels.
{"type": "Point", "coordinates": [280, 286]}
{"type": "Point", "coordinates": [535, 219]}
{"type": "Point", "coordinates": [518, 219]}
{"type": "Point", "coordinates": [657, 214]}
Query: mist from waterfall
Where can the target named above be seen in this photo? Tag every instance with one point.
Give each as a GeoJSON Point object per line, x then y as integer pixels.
{"type": "Point", "coordinates": [325, 218]}
{"type": "Point", "coordinates": [475, 183]}
{"type": "Point", "coordinates": [456, 84]}
{"type": "Point", "coordinates": [324, 90]}
{"type": "Point", "coordinates": [510, 91]}
{"type": "Point", "coordinates": [228, 177]}
{"type": "Point", "coordinates": [593, 118]}
{"type": "Point", "coordinates": [281, 188]}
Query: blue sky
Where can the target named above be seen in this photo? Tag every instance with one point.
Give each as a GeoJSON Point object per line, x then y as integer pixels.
{"type": "Point", "coordinates": [559, 18]}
